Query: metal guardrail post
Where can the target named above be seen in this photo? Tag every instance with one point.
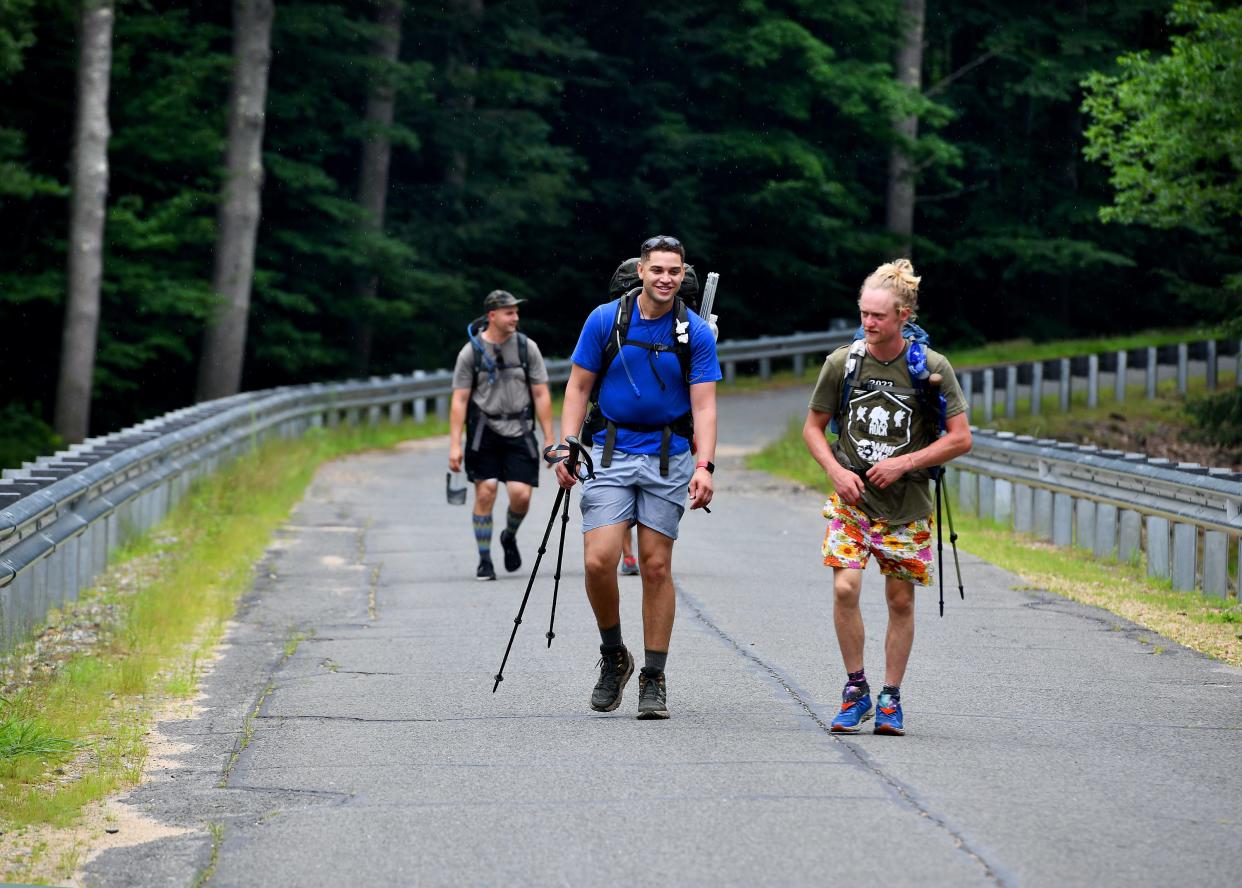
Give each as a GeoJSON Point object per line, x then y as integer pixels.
{"type": "Point", "coordinates": [967, 381]}
{"type": "Point", "coordinates": [1037, 387]}
{"type": "Point", "coordinates": [1003, 509]}
{"type": "Point", "coordinates": [1158, 548]}
{"type": "Point", "coordinates": [1023, 509]}
{"type": "Point", "coordinates": [1064, 383]}
{"type": "Point", "coordinates": [1093, 380]}
{"type": "Point", "coordinates": [1084, 524]}
{"type": "Point", "coordinates": [1129, 536]}
{"type": "Point", "coordinates": [989, 394]}
{"type": "Point", "coordinates": [1119, 382]}
{"type": "Point", "coordinates": [1210, 359]}
{"type": "Point", "coordinates": [419, 407]}
{"type": "Point", "coordinates": [1183, 367]}
{"type": "Point", "coordinates": [1011, 391]}
{"type": "Point", "coordinates": [1215, 564]}
{"type": "Point", "coordinates": [1185, 557]}
{"type": "Point", "coordinates": [1043, 514]}
{"type": "Point", "coordinates": [799, 366]}
{"type": "Point", "coordinates": [1062, 519]}
{"type": "Point", "coordinates": [1153, 372]}
{"type": "Point", "coordinates": [1105, 531]}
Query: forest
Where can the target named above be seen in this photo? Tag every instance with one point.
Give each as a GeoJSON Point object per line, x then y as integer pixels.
{"type": "Point", "coordinates": [1054, 169]}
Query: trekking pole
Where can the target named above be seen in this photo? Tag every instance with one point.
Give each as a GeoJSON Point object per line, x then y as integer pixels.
{"type": "Point", "coordinates": [575, 453]}
{"type": "Point", "coordinates": [940, 538]}
{"type": "Point", "coordinates": [938, 415]}
{"type": "Point", "coordinates": [957, 565]}
{"type": "Point", "coordinates": [575, 449]}
{"type": "Point", "coordinates": [517, 621]}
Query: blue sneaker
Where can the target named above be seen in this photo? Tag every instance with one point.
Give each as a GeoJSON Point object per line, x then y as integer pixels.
{"type": "Point", "coordinates": [855, 710]}
{"type": "Point", "coordinates": [888, 716]}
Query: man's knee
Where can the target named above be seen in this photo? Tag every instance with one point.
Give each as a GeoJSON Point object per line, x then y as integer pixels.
{"type": "Point", "coordinates": [656, 565]}
{"type": "Point", "coordinates": [900, 595]}
{"type": "Point", "coordinates": [519, 497]}
{"type": "Point", "coordinates": [485, 494]}
{"type": "Point", "coordinates": [846, 587]}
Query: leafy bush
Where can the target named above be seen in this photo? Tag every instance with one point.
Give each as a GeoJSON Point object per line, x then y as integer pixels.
{"type": "Point", "coordinates": [23, 435]}
{"type": "Point", "coordinates": [1218, 418]}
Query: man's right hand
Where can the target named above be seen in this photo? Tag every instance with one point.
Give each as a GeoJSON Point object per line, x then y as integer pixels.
{"type": "Point", "coordinates": [848, 485]}
{"type": "Point", "coordinates": [455, 458]}
{"type": "Point", "coordinates": [564, 477]}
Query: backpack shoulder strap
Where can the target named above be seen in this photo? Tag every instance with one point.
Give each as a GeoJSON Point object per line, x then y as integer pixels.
{"type": "Point", "coordinates": [853, 371]}
{"type": "Point", "coordinates": [681, 336]}
{"type": "Point", "coordinates": [616, 336]}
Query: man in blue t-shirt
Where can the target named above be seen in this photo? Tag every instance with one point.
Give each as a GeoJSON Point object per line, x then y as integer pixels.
{"type": "Point", "coordinates": [656, 392]}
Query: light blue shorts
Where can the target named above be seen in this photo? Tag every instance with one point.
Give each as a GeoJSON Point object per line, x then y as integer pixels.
{"type": "Point", "coordinates": [632, 490]}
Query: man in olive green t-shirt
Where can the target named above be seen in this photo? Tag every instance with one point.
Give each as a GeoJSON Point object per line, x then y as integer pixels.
{"type": "Point", "coordinates": [878, 466]}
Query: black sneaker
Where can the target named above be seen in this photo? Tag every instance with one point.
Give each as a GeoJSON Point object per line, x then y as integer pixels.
{"type": "Point", "coordinates": [485, 571]}
{"type": "Point", "coordinates": [513, 559]}
{"type": "Point", "coordinates": [652, 696]}
{"type": "Point", "coordinates": [615, 669]}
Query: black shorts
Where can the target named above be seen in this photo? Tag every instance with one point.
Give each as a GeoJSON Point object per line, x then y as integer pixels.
{"type": "Point", "coordinates": [503, 458]}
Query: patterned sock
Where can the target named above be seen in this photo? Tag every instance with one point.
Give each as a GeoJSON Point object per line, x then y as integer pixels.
{"type": "Point", "coordinates": [513, 521]}
{"type": "Point", "coordinates": [611, 637]}
{"type": "Point", "coordinates": [893, 691]}
{"type": "Point", "coordinates": [654, 660]}
{"type": "Point", "coordinates": [483, 535]}
{"type": "Point", "coordinates": [856, 684]}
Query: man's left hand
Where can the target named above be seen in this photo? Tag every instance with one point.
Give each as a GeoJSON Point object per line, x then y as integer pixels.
{"type": "Point", "coordinates": [700, 488]}
{"type": "Point", "coordinates": [887, 471]}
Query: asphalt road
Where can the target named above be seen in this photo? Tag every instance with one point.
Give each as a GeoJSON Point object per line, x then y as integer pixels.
{"type": "Point", "coordinates": [1049, 743]}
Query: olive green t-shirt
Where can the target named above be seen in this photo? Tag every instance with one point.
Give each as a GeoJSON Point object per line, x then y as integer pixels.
{"type": "Point", "coordinates": [885, 419]}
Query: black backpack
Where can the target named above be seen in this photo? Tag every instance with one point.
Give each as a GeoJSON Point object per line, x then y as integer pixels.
{"type": "Point", "coordinates": [625, 279]}
{"type": "Point", "coordinates": [619, 335]}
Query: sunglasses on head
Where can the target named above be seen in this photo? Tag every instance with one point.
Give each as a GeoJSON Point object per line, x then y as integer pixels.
{"type": "Point", "coordinates": [660, 240]}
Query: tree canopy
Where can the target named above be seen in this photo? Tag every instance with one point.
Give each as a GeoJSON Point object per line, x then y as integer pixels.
{"type": "Point", "coordinates": [536, 144]}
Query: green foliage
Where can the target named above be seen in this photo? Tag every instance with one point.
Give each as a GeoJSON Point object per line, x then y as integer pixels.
{"type": "Point", "coordinates": [1218, 418]}
{"type": "Point", "coordinates": [24, 436]}
{"type": "Point", "coordinates": [537, 145]}
{"type": "Point", "coordinates": [1169, 126]}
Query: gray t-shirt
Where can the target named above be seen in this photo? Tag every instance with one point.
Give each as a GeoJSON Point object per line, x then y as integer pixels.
{"type": "Point", "coordinates": [505, 390]}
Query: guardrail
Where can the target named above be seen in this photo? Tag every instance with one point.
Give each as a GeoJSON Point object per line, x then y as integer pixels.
{"type": "Point", "coordinates": [1184, 519]}
{"type": "Point", "coordinates": [62, 515]}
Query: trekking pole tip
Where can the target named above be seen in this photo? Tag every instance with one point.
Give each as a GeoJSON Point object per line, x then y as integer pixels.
{"type": "Point", "coordinates": [550, 636]}
{"type": "Point", "coordinates": [499, 679]}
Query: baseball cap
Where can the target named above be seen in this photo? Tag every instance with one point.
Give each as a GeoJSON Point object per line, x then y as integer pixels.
{"type": "Point", "coordinates": [500, 299]}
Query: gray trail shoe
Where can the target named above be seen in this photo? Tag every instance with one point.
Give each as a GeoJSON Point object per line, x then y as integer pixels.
{"type": "Point", "coordinates": [652, 696]}
{"type": "Point", "coordinates": [615, 669]}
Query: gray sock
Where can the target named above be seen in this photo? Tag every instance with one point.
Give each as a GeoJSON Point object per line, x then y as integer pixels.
{"type": "Point", "coordinates": [653, 661]}
{"type": "Point", "coordinates": [611, 637]}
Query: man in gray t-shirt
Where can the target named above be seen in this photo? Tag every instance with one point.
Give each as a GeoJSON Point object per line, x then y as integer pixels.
{"type": "Point", "coordinates": [500, 388]}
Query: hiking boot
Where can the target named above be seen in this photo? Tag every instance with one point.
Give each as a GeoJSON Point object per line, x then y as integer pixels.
{"type": "Point", "coordinates": [615, 669]}
{"type": "Point", "coordinates": [652, 696]}
{"type": "Point", "coordinates": [513, 559]}
{"type": "Point", "coordinates": [629, 566]}
{"type": "Point", "coordinates": [888, 716]}
{"type": "Point", "coordinates": [855, 709]}
{"type": "Point", "coordinates": [485, 571]}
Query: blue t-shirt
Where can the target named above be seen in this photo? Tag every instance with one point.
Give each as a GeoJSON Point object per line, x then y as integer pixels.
{"type": "Point", "coordinates": [652, 392]}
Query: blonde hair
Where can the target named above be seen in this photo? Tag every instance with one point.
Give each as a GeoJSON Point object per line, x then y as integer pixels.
{"type": "Point", "coordinates": [898, 278]}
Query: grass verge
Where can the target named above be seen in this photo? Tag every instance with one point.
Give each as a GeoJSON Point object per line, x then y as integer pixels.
{"type": "Point", "coordinates": [1208, 625]}
{"type": "Point", "coordinates": [73, 733]}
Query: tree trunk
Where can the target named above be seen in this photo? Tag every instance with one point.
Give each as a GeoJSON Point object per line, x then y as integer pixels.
{"type": "Point", "coordinates": [237, 220]}
{"type": "Point", "coordinates": [901, 186]}
{"type": "Point", "coordinates": [462, 69]}
{"type": "Point", "coordinates": [86, 222]}
{"type": "Point", "coordinates": [373, 176]}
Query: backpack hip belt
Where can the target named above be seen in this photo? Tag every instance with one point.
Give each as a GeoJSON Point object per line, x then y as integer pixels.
{"type": "Point", "coordinates": [597, 422]}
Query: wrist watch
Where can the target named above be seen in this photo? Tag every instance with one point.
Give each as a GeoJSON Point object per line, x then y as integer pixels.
{"type": "Point", "coordinates": [706, 464]}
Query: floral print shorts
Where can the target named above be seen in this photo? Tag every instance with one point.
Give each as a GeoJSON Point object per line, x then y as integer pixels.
{"type": "Point", "coordinates": [903, 551]}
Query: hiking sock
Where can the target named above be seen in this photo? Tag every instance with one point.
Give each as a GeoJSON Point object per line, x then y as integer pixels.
{"type": "Point", "coordinates": [859, 680]}
{"type": "Point", "coordinates": [893, 691]}
{"type": "Point", "coordinates": [483, 535]}
{"type": "Point", "coordinates": [611, 637]}
{"type": "Point", "coordinates": [654, 661]}
{"type": "Point", "coordinates": [513, 521]}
